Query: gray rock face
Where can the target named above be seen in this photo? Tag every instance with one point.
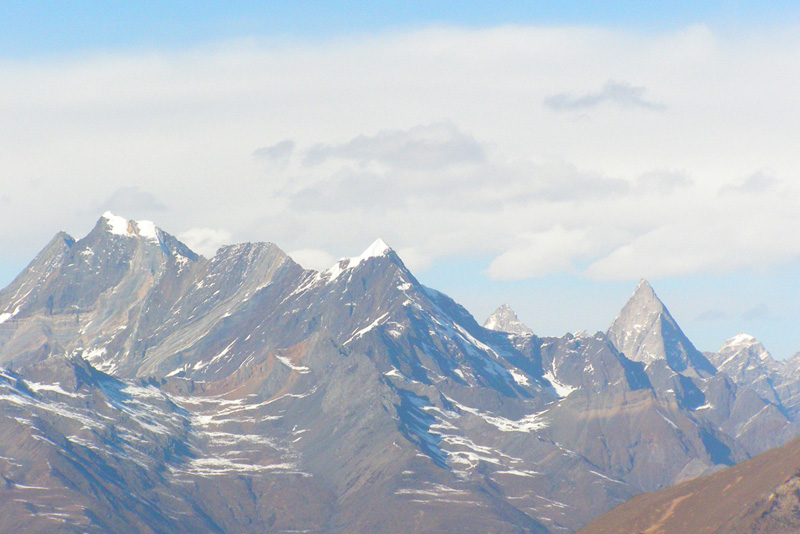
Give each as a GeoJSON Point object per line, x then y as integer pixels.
{"type": "Point", "coordinates": [646, 332]}
{"type": "Point", "coordinates": [154, 389]}
{"type": "Point", "coordinates": [505, 320]}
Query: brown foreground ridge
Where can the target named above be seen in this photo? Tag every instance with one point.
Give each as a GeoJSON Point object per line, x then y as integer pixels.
{"type": "Point", "coordinates": [759, 496]}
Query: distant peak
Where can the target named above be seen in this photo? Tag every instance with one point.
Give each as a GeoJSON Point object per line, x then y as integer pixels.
{"type": "Point", "coordinates": [645, 331]}
{"type": "Point", "coordinates": [741, 339]}
{"type": "Point", "coordinates": [743, 343]}
{"type": "Point", "coordinates": [504, 319]}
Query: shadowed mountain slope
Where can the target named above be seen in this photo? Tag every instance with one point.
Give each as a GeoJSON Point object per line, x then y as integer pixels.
{"type": "Point", "coordinates": [761, 495]}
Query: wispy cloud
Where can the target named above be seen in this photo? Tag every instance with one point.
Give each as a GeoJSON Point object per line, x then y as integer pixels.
{"type": "Point", "coordinates": [279, 152]}
{"type": "Point", "coordinates": [426, 147]}
{"type": "Point", "coordinates": [312, 258]}
{"type": "Point", "coordinates": [662, 182]}
{"type": "Point", "coordinates": [205, 241]}
{"type": "Point", "coordinates": [621, 94]}
{"type": "Point", "coordinates": [755, 183]}
{"type": "Point", "coordinates": [436, 140]}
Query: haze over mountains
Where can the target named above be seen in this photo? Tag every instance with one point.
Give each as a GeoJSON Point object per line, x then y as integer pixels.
{"type": "Point", "coordinates": [145, 388]}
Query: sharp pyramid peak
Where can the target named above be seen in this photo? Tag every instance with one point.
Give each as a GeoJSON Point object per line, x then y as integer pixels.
{"type": "Point", "coordinates": [644, 285]}
{"type": "Point", "coordinates": [646, 331]}
{"type": "Point", "coordinates": [643, 302]}
{"type": "Point", "coordinates": [504, 319]}
{"type": "Point", "coordinates": [504, 309]}
{"type": "Point", "coordinates": [639, 312]}
{"type": "Point", "coordinates": [645, 291]}
{"type": "Point", "coordinates": [376, 249]}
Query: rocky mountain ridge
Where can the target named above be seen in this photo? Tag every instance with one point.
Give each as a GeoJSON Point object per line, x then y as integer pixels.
{"type": "Point", "coordinates": [268, 397]}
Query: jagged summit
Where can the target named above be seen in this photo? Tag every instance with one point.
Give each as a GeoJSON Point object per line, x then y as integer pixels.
{"type": "Point", "coordinates": [110, 224]}
{"type": "Point", "coordinates": [645, 331]}
{"type": "Point", "coordinates": [131, 228]}
{"type": "Point", "coordinates": [504, 319]}
{"type": "Point", "coordinates": [745, 342]}
{"type": "Point", "coordinates": [378, 249]}
{"type": "Point", "coordinates": [740, 340]}
{"type": "Point", "coordinates": [743, 355]}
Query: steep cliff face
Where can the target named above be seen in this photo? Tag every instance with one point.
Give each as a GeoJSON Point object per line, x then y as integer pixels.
{"type": "Point", "coordinates": [646, 332]}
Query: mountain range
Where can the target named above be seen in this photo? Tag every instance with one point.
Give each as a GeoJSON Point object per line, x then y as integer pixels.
{"type": "Point", "coordinates": [147, 389]}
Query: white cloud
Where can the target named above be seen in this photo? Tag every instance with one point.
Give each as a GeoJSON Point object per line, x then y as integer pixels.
{"type": "Point", "coordinates": [415, 260]}
{"type": "Point", "coordinates": [552, 251]}
{"type": "Point", "coordinates": [662, 182]}
{"type": "Point", "coordinates": [708, 239]}
{"type": "Point", "coordinates": [205, 241]}
{"type": "Point", "coordinates": [755, 183]}
{"type": "Point", "coordinates": [132, 201]}
{"type": "Point", "coordinates": [310, 258]}
{"type": "Point", "coordinates": [278, 153]}
{"type": "Point", "coordinates": [620, 93]}
{"type": "Point", "coordinates": [424, 147]}
{"type": "Point", "coordinates": [436, 140]}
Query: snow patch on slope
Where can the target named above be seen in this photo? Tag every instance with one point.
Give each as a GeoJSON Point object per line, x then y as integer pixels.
{"type": "Point", "coordinates": [562, 390]}
{"type": "Point", "coordinates": [121, 226]}
{"type": "Point", "coordinates": [377, 249]}
{"type": "Point", "coordinates": [116, 225]}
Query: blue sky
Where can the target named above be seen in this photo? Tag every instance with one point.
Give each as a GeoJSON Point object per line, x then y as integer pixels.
{"type": "Point", "coordinates": [46, 27]}
{"type": "Point", "coordinates": [543, 154]}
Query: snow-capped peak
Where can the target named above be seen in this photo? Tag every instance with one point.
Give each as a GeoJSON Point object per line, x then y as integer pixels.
{"type": "Point", "coordinates": [117, 225]}
{"type": "Point", "coordinates": [147, 229]}
{"type": "Point", "coordinates": [743, 353]}
{"type": "Point", "coordinates": [745, 342]}
{"type": "Point", "coordinates": [377, 249]}
{"type": "Point", "coordinates": [740, 339]}
{"type": "Point", "coordinates": [121, 226]}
